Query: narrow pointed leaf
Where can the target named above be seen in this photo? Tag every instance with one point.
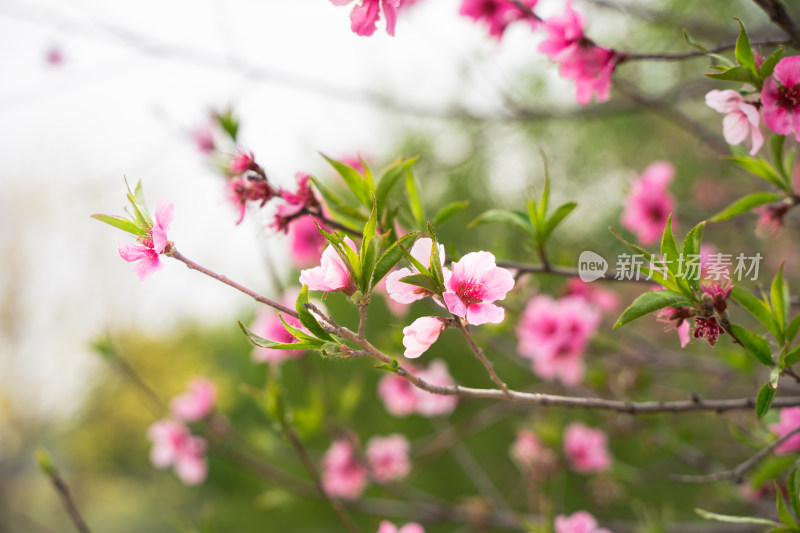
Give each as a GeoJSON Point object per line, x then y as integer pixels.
{"type": "Point", "coordinates": [354, 181]}
{"type": "Point", "coordinates": [743, 205]}
{"type": "Point", "coordinates": [769, 63]}
{"type": "Point", "coordinates": [764, 400]}
{"type": "Point", "coordinates": [448, 211]}
{"type": "Point", "coordinates": [391, 256]}
{"type": "Point", "coordinates": [421, 280]}
{"type": "Point", "coordinates": [779, 296]}
{"type": "Point", "coordinates": [650, 302]}
{"type": "Point", "coordinates": [755, 345]}
{"type": "Point", "coordinates": [121, 223]}
{"type": "Point", "coordinates": [736, 519]}
{"type": "Point", "coordinates": [512, 218]}
{"type": "Point", "coordinates": [389, 179]}
{"type": "Point", "coordinates": [743, 52]}
{"type": "Point", "coordinates": [783, 510]}
{"type": "Point", "coordinates": [266, 343]}
{"type": "Point", "coordinates": [557, 217]}
{"type": "Point", "coordinates": [757, 308]}
{"type": "Point", "coordinates": [308, 319]}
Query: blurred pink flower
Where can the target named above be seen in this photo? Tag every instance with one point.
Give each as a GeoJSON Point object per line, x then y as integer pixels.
{"type": "Point", "coordinates": [197, 402]}
{"type": "Point", "coordinates": [401, 398]}
{"type": "Point", "coordinates": [405, 293]}
{"type": "Point", "coordinates": [474, 284]}
{"type": "Point", "coordinates": [151, 245]}
{"type": "Point", "coordinates": [603, 299]}
{"type": "Point", "coordinates": [174, 446]}
{"type": "Point", "coordinates": [332, 274]}
{"type": "Point", "coordinates": [554, 335]}
{"type": "Point", "coordinates": [366, 14]}
{"type": "Point", "coordinates": [305, 241]}
{"type": "Point", "coordinates": [54, 57]}
{"type": "Point", "coordinates": [649, 204]}
{"type": "Point", "coordinates": [781, 99]}
{"type": "Point", "coordinates": [421, 334]}
{"type": "Point", "coordinates": [586, 449]}
{"type": "Point", "coordinates": [496, 15]}
{"type": "Point", "coordinates": [302, 198]}
{"type": "Point", "coordinates": [343, 476]}
{"type": "Point", "coordinates": [770, 220]}
{"type": "Point", "coordinates": [203, 138]}
{"type": "Point", "coordinates": [398, 395]}
{"type": "Point", "coordinates": [788, 421]}
{"type": "Point", "coordinates": [580, 522]}
{"type": "Point", "coordinates": [269, 326]}
{"type": "Point", "coordinates": [676, 318]}
{"type": "Point", "coordinates": [242, 162]}
{"type": "Point", "coordinates": [529, 453]}
{"type": "Point", "coordinates": [388, 527]}
{"type": "Point", "coordinates": [388, 457]}
{"type": "Point", "coordinates": [741, 119]}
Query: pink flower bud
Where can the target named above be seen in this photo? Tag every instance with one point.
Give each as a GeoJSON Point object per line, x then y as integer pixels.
{"type": "Point", "coordinates": [421, 334]}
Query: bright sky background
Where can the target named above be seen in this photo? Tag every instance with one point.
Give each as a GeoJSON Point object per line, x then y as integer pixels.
{"type": "Point", "coordinates": [137, 76]}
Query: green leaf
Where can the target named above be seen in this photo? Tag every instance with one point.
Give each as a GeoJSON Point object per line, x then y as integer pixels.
{"type": "Point", "coordinates": [691, 248]}
{"type": "Point", "coordinates": [736, 519]}
{"type": "Point", "coordinates": [413, 199]}
{"type": "Point", "coordinates": [745, 204]}
{"type": "Point", "coordinates": [504, 216]}
{"type": "Point", "coordinates": [761, 168]}
{"type": "Point", "coordinates": [436, 259]}
{"type": "Point", "coordinates": [743, 52]}
{"type": "Point", "coordinates": [650, 302]}
{"type": "Point", "coordinates": [783, 510]}
{"type": "Point", "coordinates": [544, 200]}
{"type": "Point", "coordinates": [764, 400]}
{"type": "Point", "coordinates": [794, 327]}
{"type": "Point", "coordinates": [754, 344]}
{"type": "Point", "coordinates": [122, 223]}
{"type": "Point", "coordinates": [419, 267]}
{"type": "Point", "coordinates": [307, 319]}
{"type": "Point", "coordinates": [769, 63]}
{"type": "Point", "coordinates": [793, 488]}
{"type": "Point", "coordinates": [757, 308]}
{"type": "Point", "coordinates": [354, 181]}
{"type": "Point", "coordinates": [369, 252]}
{"type": "Point", "coordinates": [776, 143]}
{"type": "Point", "coordinates": [297, 333]}
{"type": "Point", "coordinates": [736, 74]}
{"type": "Point", "coordinates": [792, 357]}
{"type": "Point", "coordinates": [266, 343]}
{"type": "Point", "coordinates": [228, 123]}
{"type": "Point", "coordinates": [722, 59]}
{"type": "Point", "coordinates": [533, 217]}
{"type": "Point", "coordinates": [390, 257]}
{"type": "Point", "coordinates": [421, 280]}
{"type": "Point", "coordinates": [779, 297]}
{"type": "Point", "coordinates": [771, 468]}
{"type": "Point", "coordinates": [668, 247]}
{"type": "Point", "coordinates": [637, 249]}
{"type": "Point", "coordinates": [344, 251]}
{"type": "Point", "coordinates": [448, 211]}
{"type": "Point", "coordinates": [388, 180]}
{"type": "Point", "coordinates": [557, 217]}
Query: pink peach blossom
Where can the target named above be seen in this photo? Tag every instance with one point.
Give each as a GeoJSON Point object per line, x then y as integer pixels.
{"type": "Point", "coordinates": [421, 334]}
{"type": "Point", "coordinates": [397, 309]}
{"type": "Point", "coordinates": [788, 421]}
{"type": "Point", "coordinates": [388, 457]}
{"type": "Point", "coordinates": [586, 449]}
{"type": "Point", "coordinates": [305, 241]}
{"type": "Point", "coordinates": [366, 14]}
{"type": "Point", "coordinates": [203, 138]}
{"type": "Point", "coordinates": [343, 476]}
{"type": "Point", "coordinates": [197, 402]}
{"type": "Point", "coordinates": [496, 15]}
{"type": "Point", "coordinates": [332, 274]}
{"type": "Point", "coordinates": [151, 245]}
{"type": "Point", "coordinates": [741, 119]}
{"type": "Point", "coordinates": [241, 162]}
{"type": "Point", "coordinates": [580, 522]}
{"type": "Point", "coordinates": [428, 403]}
{"type": "Point", "coordinates": [406, 293]}
{"type": "Point", "coordinates": [780, 98]}
{"type": "Point", "coordinates": [398, 395]}
{"type": "Point", "coordinates": [648, 205]}
{"type": "Point", "coordinates": [174, 446]}
{"type": "Point", "coordinates": [388, 527]}
{"type": "Point", "coordinates": [593, 294]}
{"type": "Point", "coordinates": [529, 452]}
{"type": "Point", "coordinates": [474, 284]}
{"type": "Point", "coordinates": [677, 318]}
{"type": "Point", "coordinates": [302, 197]}
{"type": "Point", "coordinates": [554, 335]}
{"type": "Point", "coordinates": [269, 326]}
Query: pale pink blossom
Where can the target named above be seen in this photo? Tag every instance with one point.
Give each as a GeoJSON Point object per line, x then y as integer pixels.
{"type": "Point", "coordinates": [252, 188]}
{"type": "Point", "coordinates": [648, 205]}
{"type": "Point", "coordinates": [475, 283]}
{"type": "Point", "coordinates": [174, 446]}
{"type": "Point", "coordinates": [397, 309]}
{"type": "Point", "coordinates": [593, 293]}
{"type": "Point", "coordinates": [428, 403]}
{"type": "Point", "coordinates": [388, 457]}
{"type": "Point", "coordinates": [203, 138]}
{"type": "Point", "coordinates": [151, 245]}
{"type": "Point", "coordinates": [677, 318]}
{"type": "Point", "coordinates": [398, 395]}
{"type": "Point", "coordinates": [780, 98]}
{"type": "Point", "coordinates": [554, 335]}
{"type": "Point", "coordinates": [741, 119]}
{"type": "Point", "coordinates": [366, 13]}
{"type": "Point", "coordinates": [332, 274]}
{"type": "Point", "coordinates": [789, 420]}
{"type": "Point", "coordinates": [529, 452]}
{"type": "Point", "coordinates": [269, 326]}
{"type": "Point", "coordinates": [343, 475]}
{"type": "Point", "coordinates": [580, 522]}
{"type": "Point", "coordinates": [388, 527]}
{"type": "Point", "coordinates": [586, 449]}
{"type": "Point", "coordinates": [406, 293]}
{"type": "Point", "coordinates": [496, 15]}
{"type": "Point", "coordinates": [197, 402]}
{"type": "Point", "coordinates": [421, 334]}
{"type": "Point", "coordinates": [770, 220]}
{"type": "Point", "coordinates": [305, 241]}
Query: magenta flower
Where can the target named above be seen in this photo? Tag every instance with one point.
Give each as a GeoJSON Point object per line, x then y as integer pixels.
{"type": "Point", "coordinates": [388, 527]}
{"type": "Point", "coordinates": [676, 318]}
{"type": "Point", "coordinates": [197, 402]}
{"type": "Point", "coordinates": [405, 293]}
{"type": "Point", "coordinates": [305, 241]}
{"type": "Point", "coordinates": [302, 198]}
{"type": "Point", "coordinates": [496, 15]}
{"type": "Point", "coordinates": [741, 119]}
{"type": "Point", "coordinates": [648, 205]}
{"type": "Point", "coordinates": [554, 335]}
{"type": "Point", "coordinates": [474, 284]}
{"type": "Point", "coordinates": [366, 14]}
{"type": "Point", "coordinates": [707, 328]}
{"type": "Point", "coordinates": [586, 449]}
{"type": "Point", "coordinates": [770, 220]}
{"type": "Point", "coordinates": [388, 457]}
{"type": "Point", "coordinates": [780, 97]}
{"type": "Point", "coordinates": [580, 522]}
{"type": "Point", "coordinates": [421, 334]}
{"type": "Point", "coordinates": [789, 420]}
{"type": "Point", "coordinates": [174, 446]}
{"type": "Point", "coordinates": [343, 476]}
{"type": "Point", "coordinates": [269, 326]}
{"type": "Point", "coordinates": [332, 274]}
{"type": "Point", "coordinates": [153, 243]}
{"type": "Point", "coordinates": [242, 162]}
{"type": "Point", "coordinates": [54, 57]}
{"type": "Point", "coordinates": [203, 138]}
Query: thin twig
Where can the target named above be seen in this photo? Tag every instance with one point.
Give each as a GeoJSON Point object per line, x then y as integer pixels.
{"type": "Point", "coordinates": [478, 351]}
{"type": "Point", "coordinates": [62, 488]}
{"type": "Point", "coordinates": [362, 320]}
{"type": "Point", "coordinates": [778, 14]}
{"type": "Point", "coordinates": [737, 474]}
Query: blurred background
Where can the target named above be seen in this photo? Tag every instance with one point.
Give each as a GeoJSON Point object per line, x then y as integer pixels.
{"type": "Point", "coordinates": [97, 92]}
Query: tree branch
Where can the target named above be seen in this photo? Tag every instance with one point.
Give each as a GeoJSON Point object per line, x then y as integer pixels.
{"type": "Point", "coordinates": [778, 14]}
